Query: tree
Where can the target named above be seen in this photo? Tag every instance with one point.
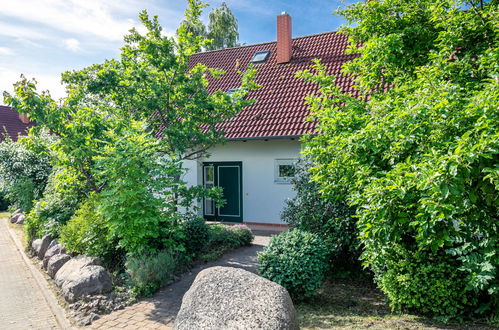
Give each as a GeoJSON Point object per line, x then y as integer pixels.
{"type": "Point", "coordinates": [126, 126]}
{"type": "Point", "coordinates": [418, 159]}
{"type": "Point", "coordinates": [192, 23]}
{"type": "Point", "coordinates": [222, 28]}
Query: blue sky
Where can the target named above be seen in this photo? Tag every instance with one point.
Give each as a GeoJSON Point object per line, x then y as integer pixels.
{"type": "Point", "coordinates": [43, 38]}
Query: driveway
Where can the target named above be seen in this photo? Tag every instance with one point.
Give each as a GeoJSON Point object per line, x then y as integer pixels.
{"type": "Point", "coordinates": [23, 302]}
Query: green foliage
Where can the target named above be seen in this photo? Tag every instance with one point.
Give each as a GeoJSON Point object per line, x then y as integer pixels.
{"type": "Point", "coordinates": [196, 235]}
{"type": "Point", "coordinates": [150, 271]}
{"type": "Point", "coordinates": [61, 197]}
{"type": "Point", "coordinates": [424, 282]}
{"type": "Point", "coordinates": [222, 28]}
{"type": "Point", "coordinates": [418, 160]}
{"type": "Point", "coordinates": [124, 130]}
{"type": "Point", "coordinates": [332, 221]}
{"type": "Point", "coordinates": [87, 233]}
{"type": "Point", "coordinates": [223, 238]}
{"type": "Point", "coordinates": [4, 201]}
{"type": "Point", "coordinates": [297, 260]}
{"type": "Point", "coordinates": [138, 199]}
{"type": "Point", "coordinates": [25, 167]}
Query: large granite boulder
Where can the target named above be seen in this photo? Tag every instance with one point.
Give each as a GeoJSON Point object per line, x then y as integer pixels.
{"type": "Point", "coordinates": [14, 216]}
{"type": "Point", "coordinates": [44, 246]}
{"type": "Point", "coordinates": [55, 263]}
{"type": "Point", "coordinates": [233, 298]}
{"type": "Point", "coordinates": [81, 276]}
{"type": "Point", "coordinates": [52, 251]}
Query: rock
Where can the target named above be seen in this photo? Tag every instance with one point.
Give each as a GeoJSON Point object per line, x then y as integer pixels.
{"type": "Point", "coordinates": [44, 246]}
{"type": "Point", "coordinates": [52, 251]}
{"type": "Point", "coordinates": [82, 276]}
{"type": "Point", "coordinates": [52, 243]}
{"type": "Point", "coordinates": [15, 215]}
{"type": "Point", "coordinates": [88, 280]}
{"type": "Point", "coordinates": [55, 263]}
{"type": "Point", "coordinates": [73, 265]}
{"type": "Point", "coordinates": [233, 298]}
{"type": "Point", "coordinates": [36, 244]}
{"type": "Point", "coordinates": [20, 219]}
{"type": "Point", "coordinates": [82, 319]}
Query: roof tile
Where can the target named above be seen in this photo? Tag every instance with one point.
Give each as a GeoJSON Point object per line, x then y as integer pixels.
{"type": "Point", "coordinates": [279, 109]}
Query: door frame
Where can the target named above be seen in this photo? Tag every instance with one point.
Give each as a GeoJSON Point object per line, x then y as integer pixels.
{"type": "Point", "coordinates": [216, 216]}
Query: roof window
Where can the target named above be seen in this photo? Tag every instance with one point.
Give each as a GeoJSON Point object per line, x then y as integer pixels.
{"type": "Point", "coordinates": [260, 56]}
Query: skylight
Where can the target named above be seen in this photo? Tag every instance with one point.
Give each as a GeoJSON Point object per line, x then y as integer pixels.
{"type": "Point", "coordinates": [260, 56]}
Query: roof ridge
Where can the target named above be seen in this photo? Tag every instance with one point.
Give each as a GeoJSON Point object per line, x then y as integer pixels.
{"type": "Point", "coordinates": [267, 42]}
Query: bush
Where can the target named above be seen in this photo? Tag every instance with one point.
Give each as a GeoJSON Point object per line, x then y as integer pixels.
{"type": "Point", "coordinates": [4, 201]}
{"type": "Point", "coordinates": [418, 160]}
{"type": "Point", "coordinates": [242, 233]}
{"type": "Point", "coordinates": [196, 235]}
{"type": "Point", "coordinates": [424, 282]}
{"type": "Point", "coordinates": [25, 166]}
{"type": "Point", "coordinates": [223, 238]}
{"type": "Point", "coordinates": [332, 221]}
{"type": "Point", "coordinates": [150, 271]}
{"type": "Point", "coordinates": [87, 233]}
{"type": "Point", "coordinates": [58, 204]}
{"type": "Point", "coordinates": [295, 259]}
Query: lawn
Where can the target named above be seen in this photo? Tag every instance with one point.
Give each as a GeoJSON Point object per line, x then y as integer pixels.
{"type": "Point", "coordinates": [344, 304]}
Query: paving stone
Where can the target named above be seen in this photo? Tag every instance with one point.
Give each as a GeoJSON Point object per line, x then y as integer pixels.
{"type": "Point", "coordinates": [22, 304]}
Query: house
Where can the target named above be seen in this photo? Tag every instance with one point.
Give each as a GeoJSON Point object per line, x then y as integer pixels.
{"type": "Point", "coordinates": [13, 123]}
{"type": "Point", "coordinates": [255, 165]}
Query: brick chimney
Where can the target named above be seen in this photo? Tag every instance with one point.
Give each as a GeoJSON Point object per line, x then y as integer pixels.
{"type": "Point", "coordinates": [284, 41]}
{"type": "Point", "coordinates": [24, 118]}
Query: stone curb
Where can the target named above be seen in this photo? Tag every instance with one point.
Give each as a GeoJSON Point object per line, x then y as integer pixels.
{"type": "Point", "coordinates": [57, 310]}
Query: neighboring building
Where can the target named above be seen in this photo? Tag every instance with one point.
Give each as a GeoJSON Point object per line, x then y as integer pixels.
{"type": "Point", "coordinates": [13, 123]}
{"type": "Point", "coordinates": [255, 165]}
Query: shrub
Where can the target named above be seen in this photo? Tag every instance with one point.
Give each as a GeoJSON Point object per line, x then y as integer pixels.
{"type": "Point", "coordinates": [88, 233]}
{"type": "Point", "coordinates": [196, 235]}
{"type": "Point", "coordinates": [424, 282]}
{"type": "Point", "coordinates": [4, 201]}
{"type": "Point", "coordinates": [295, 259]}
{"type": "Point", "coordinates": [242, 234]}
{"type": "Point", "coordinates": [58, 204]}
{"type": "Point", "coordinates": [332, 221]}
{"type": "Point", "coordinates": [25, 166]}
{"type": "Point", "coordinates": [223, 238]}
{"type": "Point", "coordinates": [150, 271]}
{"type": "Point", "coordinates": [418, 160]}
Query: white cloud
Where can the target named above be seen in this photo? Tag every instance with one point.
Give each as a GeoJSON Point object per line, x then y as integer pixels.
{"type": "Point", "coordinates": [6, 51]}
{"type": "Point", "coordinates": [44, 82]}
{"type": "Point", "coordinates": [72, 44]}
{"type": "Point", "coordinates": [87, 17]}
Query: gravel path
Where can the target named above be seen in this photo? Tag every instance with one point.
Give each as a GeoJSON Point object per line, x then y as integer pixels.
{"type": "Point", "coordinates": [22, 302]}
{"type": "Point", "coordinates": [159, 311]}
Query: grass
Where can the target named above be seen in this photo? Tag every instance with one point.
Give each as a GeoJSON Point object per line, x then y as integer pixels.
{"type": "Point", "coordinates": [346, 304]}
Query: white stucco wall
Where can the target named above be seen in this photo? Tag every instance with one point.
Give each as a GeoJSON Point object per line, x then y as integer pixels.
{"type": "Point", "coordinates": [263, 199]}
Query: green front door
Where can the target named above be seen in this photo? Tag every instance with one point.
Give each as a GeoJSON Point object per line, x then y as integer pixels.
{"type": "Point", "coordinates": [228, 176]}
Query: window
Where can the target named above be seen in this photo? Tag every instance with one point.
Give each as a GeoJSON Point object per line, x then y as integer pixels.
{"type": "Point", "coordinates": [260, 56]}
{"type": "Point", "coordinates": [284, 170]}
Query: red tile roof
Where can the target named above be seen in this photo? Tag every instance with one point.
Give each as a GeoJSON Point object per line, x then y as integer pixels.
{"type": "Point", "coordinates": [280, 109]}
{"type": "Point", "coordinates": [10, 122]}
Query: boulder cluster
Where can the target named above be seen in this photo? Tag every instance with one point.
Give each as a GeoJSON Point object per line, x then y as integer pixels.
{"type": "Point", "coordinates": [17, 217]}
{"type": "Point", "coordinates": [81, 279]}
{"type": "Point", "coordinates": [76, 277]}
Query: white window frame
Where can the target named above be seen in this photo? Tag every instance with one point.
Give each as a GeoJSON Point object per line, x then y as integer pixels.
{"type": "Point", "coordinates": [279, 162]}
